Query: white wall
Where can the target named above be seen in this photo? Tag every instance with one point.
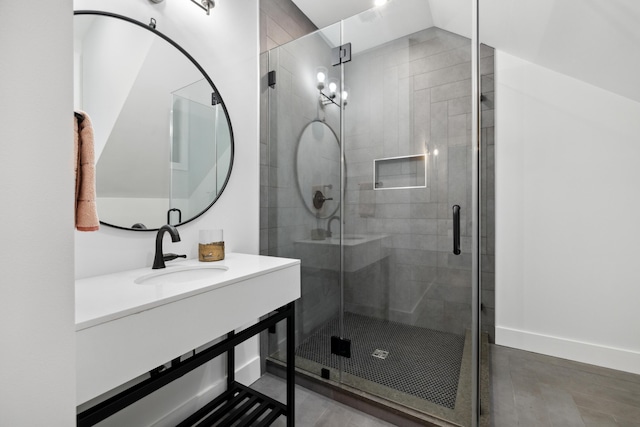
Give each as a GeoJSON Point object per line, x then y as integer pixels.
{"type": "Point", "coordinates": [226, 46]}
{"type": "Point", "coordinates": [130, 210]}
{"type": "Point", "coordinates": [567, 174]}
{"type": "Point", "coordinates": [37, 328]}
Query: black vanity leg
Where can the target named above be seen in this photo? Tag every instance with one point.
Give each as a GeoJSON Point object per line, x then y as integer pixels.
{"type": "Point", "coordinates": [291, 365]}
{"type": "Point", "coordinates": [231, 363]}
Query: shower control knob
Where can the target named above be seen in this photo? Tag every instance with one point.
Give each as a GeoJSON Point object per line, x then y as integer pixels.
{"type": "Point", "coordinates": [319, 199]}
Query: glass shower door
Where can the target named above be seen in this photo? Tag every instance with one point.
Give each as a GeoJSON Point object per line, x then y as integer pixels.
{"type": "Point", "coordinates": [407, 218]}
{"type": "Point", "coordinates": [304, 187]}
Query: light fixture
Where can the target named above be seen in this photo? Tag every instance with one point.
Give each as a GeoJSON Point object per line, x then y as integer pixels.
{"type": "Point", "coordinates": [345, 94]}
{"type": "Point", "coordinates": [435, 152]}
{"type": "Point", "coordinates": [205, 5]}
{"type": "Point", "coordinates": [321, 77]}
{"type": "Point", "coordinates": [333, 86]}
{"type": "Point", "coordinates": [378, 3]}
{"type": "Point", "coordinates": [321, 83]}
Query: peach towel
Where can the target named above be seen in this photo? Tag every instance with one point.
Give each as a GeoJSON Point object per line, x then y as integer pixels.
{"type": "Point", "coordinates": [86, 212]}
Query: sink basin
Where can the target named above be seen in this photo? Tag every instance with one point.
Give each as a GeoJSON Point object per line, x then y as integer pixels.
{"type": "Point", "coordinates": [181, 274]}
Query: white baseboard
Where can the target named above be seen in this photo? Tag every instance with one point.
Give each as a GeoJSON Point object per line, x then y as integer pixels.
{"type": "Point", "coordinates": [594, 354]}
{"type": "Point", "coordinates": [246, 374]}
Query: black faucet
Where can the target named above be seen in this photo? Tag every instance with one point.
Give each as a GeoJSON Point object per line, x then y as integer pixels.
{"type": "Point", "coordinates": [158, 261]}
{"type": "Point", "coordinates": [329, 225]}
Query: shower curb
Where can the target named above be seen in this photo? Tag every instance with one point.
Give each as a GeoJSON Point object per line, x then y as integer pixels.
{"type": "Point", "coordinates": [377, 407]}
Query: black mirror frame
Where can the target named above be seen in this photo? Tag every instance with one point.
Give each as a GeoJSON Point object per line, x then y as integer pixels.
{"type": "Point", "coordinates": [297, 174]}
{"type": "Point", "coordinates": [213, 86]}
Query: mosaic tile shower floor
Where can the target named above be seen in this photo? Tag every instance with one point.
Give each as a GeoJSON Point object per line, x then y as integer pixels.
{"type": "Point", "coordinates": [420, 362]}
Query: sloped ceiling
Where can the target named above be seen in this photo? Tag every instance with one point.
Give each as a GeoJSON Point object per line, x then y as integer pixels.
{"type": "Point", "coordinates": [596, 41]}
{"type": "Point", "coordinates": [326, 12]}
{"type": "Point", "coordinates": [377, 26]}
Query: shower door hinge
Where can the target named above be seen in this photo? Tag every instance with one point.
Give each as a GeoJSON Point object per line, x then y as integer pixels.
{"type": "Point", "coordinates": [215, 99]}
{"type": "Point", "coordinates": [341, 347]}
{"type": "Point", "coordinates": [271, 78]}
{"type": "Point", "coordinates": [341, 54]}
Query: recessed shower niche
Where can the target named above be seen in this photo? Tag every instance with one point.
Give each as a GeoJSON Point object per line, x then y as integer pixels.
{"type": "Point", "coordinates": [400, 172]}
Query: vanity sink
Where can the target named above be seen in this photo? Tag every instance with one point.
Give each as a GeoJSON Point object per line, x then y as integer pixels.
{"type": "Point", "coordinates": [128, 323]}
{"type": "Point", "coordinates": [181, 274]}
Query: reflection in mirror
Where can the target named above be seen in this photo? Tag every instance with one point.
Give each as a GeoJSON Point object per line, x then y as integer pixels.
{"type": "Point", "coordinates": [163, 140]}
{"type": "Point", "coordinates": [318, 168]}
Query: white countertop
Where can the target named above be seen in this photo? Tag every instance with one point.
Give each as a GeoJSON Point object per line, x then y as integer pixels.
{"type": "Point", "coordinates": [108, 297]}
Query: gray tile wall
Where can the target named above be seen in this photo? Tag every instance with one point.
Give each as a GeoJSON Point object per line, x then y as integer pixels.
{"type": "Point", "coordinates": [409, 97]}
{"type": "Point", "coordinates": [488, 195]}
{"type": "Point", "coordinates": [281, 22]}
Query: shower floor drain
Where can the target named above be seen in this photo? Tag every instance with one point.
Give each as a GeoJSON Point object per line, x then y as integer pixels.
{"type": "Point", "coordinates": [380, 354]}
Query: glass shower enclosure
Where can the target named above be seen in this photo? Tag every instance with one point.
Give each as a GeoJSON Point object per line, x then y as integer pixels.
{"type": "Point", "coordinates": [369, 180]}
{"type": "Point", "coordinates": [196, 180]}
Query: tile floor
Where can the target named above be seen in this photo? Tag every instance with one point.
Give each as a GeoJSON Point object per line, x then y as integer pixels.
{"type": "Point", "coordinates": [313, 409]}
{"type": "Point", "coordinates": [528, 390]}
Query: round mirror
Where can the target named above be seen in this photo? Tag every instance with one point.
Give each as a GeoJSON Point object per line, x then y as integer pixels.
{"type": "Point", "coordinates": [318, 169]}
{"type": "Point", "coordinates": [163, 138]}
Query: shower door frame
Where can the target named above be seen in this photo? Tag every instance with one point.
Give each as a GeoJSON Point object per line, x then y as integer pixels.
{"type": "Point", "coordinates": [476, 198]}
